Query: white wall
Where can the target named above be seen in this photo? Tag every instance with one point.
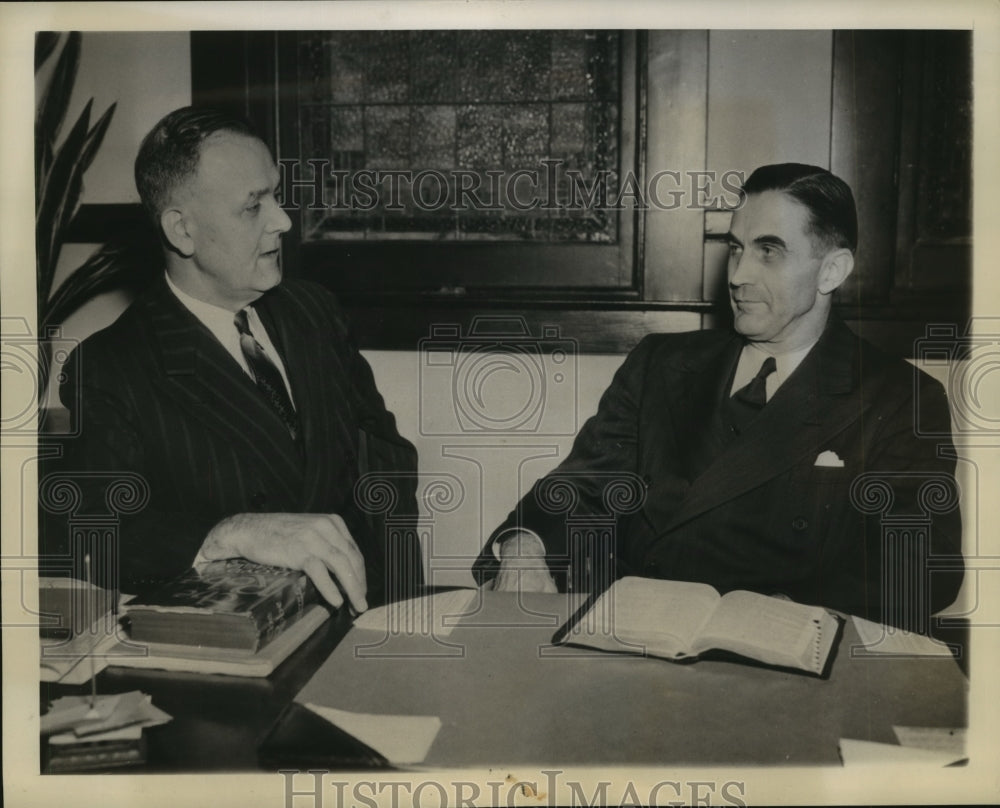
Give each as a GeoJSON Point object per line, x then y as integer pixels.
{"type": "Point", "coordinates": [768, 98]}
{"type": "Point", "coordinates": [494, 468]}
{"type": "Point", "coordinates": [147, 74]}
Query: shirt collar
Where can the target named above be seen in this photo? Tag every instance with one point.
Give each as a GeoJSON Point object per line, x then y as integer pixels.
{"type": "Point", "coordinates": [753, 356]}
{"type": "Point", "coordinates": [786, 363]}
{"type": "Point", "coordinates": [215, 318]}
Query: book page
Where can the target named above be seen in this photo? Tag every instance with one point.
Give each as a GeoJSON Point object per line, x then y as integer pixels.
{"type": "Point", "coordinates": [644, 615]}
{"type": "Point", "coordinates": [771, 630]}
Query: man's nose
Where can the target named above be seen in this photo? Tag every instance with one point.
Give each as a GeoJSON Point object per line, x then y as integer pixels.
{"type": "Point", "coordinates": [280, 222]}
{"type": "Point", "coordinates": [739, 270]}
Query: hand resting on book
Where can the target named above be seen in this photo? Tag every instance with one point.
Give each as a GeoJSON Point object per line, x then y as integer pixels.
{"type": "Point", "coordinates": [317, 544]}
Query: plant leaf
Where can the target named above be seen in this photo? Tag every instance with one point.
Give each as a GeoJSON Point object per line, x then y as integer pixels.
{"type": "Point", "coordinates": [43, 162]}
{"type": "Point", "coordinates": [74, 185]}
{"type": "Point", "coordinates": [55, 197]}
{"type": "Point", "coordinates": [94, 139]}
{"type": "Point", "coordinates": [45, 43]}
{"type": "Point", "coordinates": [55, 102]}
{"type": "Point", "coordinates": [128, 264]}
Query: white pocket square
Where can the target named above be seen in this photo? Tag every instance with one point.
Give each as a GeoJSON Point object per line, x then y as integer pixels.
{"type": "Point", "coordinates": [829, 459]}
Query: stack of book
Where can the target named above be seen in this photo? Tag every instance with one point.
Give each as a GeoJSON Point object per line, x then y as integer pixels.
{"type": "Point", "coordinates": [232, 616]}
{"type": "Point", "coordinates": [98, 732]}
{"type": "Point", "coordinates": [233, 603]}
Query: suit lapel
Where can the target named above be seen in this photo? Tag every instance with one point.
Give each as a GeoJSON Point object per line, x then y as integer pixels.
{"type": "Point", "coordinates": [701, 388]}
{"type": "Point", "coordinates": [815, 403]}
{"type": "Point", "coordinates": [321, 389]}
{"type": "Point", "coordinates": [201, 376]}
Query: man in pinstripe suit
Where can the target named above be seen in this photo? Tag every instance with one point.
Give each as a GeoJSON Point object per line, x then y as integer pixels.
{"type": "Point", "coordinates": [168, 391]}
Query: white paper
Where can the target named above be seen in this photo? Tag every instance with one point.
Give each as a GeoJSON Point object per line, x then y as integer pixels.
{"type": "Point", "coordinates": [110, 713]}
{"type": "Point", "coordinates": [430, 615]}
{"type": "Point", "coordinates": [400, 739]}
{"type": "Point", "coordinates": [887, 640]}
{"type": "Point", "coordinates": [941, 739]}
{"type": "Point", "coordinates": [867, 753]}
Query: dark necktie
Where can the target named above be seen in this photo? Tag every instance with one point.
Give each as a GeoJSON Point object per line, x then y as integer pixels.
{"type": "Point", "coordinates": [755, 393]}
{"type": "Point", "coordinates": [747, 402]}
{"type": "Point", "coordinates": [266, 374]}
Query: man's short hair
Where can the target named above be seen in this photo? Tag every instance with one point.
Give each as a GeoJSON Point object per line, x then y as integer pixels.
{"type": "Point", "coordinates": [169, 154]}
{"type": "Point", "coordinates": [833, 217]}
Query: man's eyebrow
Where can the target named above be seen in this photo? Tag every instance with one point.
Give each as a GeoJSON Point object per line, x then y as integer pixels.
{"type": "Point", "coordinates": [771, 241]}
{"type": "Point", "coordinates": [760, 241]}
{"type": "Point", "coordinates": [253, 196]}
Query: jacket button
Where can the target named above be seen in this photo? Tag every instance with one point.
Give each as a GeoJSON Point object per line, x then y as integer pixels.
{"type": "Point", "coordinates": [258, 500]}
{"type": "Point", "coordinates": [798, 523]}
{"type": "Point", "coordinates": [651, 568]}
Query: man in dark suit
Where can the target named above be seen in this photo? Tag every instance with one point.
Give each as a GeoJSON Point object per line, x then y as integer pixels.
{"type": "Point", "coordinates": [242, 401]}
{"type": "Point", "coordinates": [748, 447]}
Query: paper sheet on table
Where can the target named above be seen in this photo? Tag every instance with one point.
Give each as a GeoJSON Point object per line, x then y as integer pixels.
{"type": "Point", "coordinates": [430, 615]}
{"type": "Point", "coordinates": [400, 739]}
{"type": "Point", "coordinates": [72, 711]}
{"type": "Point", "coordinates": [110, 712]}
{"type": "Point", "coordinates": [883, 640]}
{"type": "Point", "coordinates": [867, 753]}
{"type": "Point", "coordinates": [940, 739]}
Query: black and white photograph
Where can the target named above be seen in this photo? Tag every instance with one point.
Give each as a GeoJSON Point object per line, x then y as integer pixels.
{"type": "Point", "coordinates": [501, 403]}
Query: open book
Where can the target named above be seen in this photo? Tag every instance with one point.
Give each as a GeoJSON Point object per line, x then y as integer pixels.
{"type": "Point", "coordinates": [679, 620]}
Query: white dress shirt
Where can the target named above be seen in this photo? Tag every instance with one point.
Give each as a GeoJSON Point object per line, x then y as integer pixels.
{"type": "Point", "coordinates": [753, 357]}
{"type": "Point", "coordinates": [220, 322]}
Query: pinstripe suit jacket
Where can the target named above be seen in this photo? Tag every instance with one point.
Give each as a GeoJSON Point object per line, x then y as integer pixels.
{"type": "Point", "coordinates": [155, 393]}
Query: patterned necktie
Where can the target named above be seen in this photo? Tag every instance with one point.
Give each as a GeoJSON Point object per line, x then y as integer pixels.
{"type": "Point", "coordinates": [755, 393]}
{"type": "Point", "coordinates": [266, 374]}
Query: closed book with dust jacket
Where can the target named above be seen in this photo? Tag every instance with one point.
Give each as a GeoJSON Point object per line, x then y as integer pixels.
{"type": "Point", "coordinates": [233, 603]}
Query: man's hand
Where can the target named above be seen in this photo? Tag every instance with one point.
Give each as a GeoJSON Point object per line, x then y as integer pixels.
{"type": "Point", "coordinates": [317, 544]}
{"type": "Point", "coordinates": [522, 565]}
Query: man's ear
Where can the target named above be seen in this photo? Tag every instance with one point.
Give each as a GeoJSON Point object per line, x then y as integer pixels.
{"type": "Point", "coordinates": [837, 265]}
{"type": "Point", "coordinates": [175, 230]}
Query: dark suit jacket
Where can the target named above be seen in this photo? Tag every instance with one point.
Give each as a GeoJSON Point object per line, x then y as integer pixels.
{"type": "Point", "coordinates": [156, 394]}
{"type": "Point", "coordinates": [756, 511]}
